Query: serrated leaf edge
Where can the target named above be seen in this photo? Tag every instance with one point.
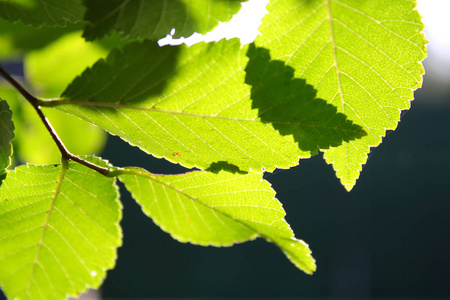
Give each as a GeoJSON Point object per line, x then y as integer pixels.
{"type": "Point", "coordinates": [148, 175]}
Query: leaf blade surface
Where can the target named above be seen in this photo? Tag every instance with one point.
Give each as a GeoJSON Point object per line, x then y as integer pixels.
{"type": "Point", "coordinates": [218, 209]}
{"type": "Point", "coordinates": [191, 106]}
{"type": "Point", "coordinates": [6, 137]}
{"type": "Point", "coordinates": [59, 230]}
{"type": "Point", "coordinates": [362, 56]}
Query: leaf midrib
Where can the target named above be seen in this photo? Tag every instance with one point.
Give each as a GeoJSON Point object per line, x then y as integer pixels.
{"type": "Point", "coordinates": [334, 47]}
{"type": "Point", "coordinates": [62, 174]}
{"type": "Point", "coordinates": [338, 74]}
{"type": "Point", "coordinates": [117, 106]}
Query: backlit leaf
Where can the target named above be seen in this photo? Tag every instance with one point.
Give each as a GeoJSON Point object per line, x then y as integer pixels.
{"type": "Point", "coordinates": [217, 209]}
{"type": "Point", "coordinates": [191, 105]}
{"type": "Point", "coordinates": [362, 56]}
{"type": "Point", "coordinates": [59, 230]}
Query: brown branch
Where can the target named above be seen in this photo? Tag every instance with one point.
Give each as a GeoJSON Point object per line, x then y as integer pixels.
{"type": "Point", "coordinates": [35, 102]}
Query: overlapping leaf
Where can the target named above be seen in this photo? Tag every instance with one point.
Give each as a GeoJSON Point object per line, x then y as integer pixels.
{"type": "Point", "coordinates": [6, 136]}
{"type": "Point", "coordinates": [362, 56]}
{"type": "Point", "coordinates": [58, 230]}
{"type": "Point", "coordinates": [42, 12]}
{"type": "Point", "coordinates": [217, 209]}
{"type": "Point", "coordinates": [292, 103]}
{"type": "Point", "coordinates": [191, 105]}
{"type": "Point", "coordinates": [154, 19]}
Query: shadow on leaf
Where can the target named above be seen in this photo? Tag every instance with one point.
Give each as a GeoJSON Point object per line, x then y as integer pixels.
{"type": "Point", "coordinates": [216, 167]}
{"type": "Point", "coordinates": [128, 75]}
{"type": "Point", "coordinates": [291, 106]}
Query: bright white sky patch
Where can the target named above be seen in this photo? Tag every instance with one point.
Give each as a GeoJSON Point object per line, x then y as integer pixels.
{"type": "Point", "coordinates": [243, 25]}
{"type": "Point", "coordinates": [435, 15]}
{"type": "Point", "coordinates": [437, 30]}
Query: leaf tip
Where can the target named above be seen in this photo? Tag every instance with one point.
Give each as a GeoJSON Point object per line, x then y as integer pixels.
{"type": "Point", "coordinates": [349, 182]}
{"type": "Point", "coordinates": [348, 187]}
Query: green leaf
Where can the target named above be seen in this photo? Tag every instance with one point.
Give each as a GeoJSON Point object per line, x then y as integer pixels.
{"type": "Point", "coordinates": [154, 19]}
{"type": "Point", "coordinates": [216, 209]}
{"type": "Point", "coordinates": [362, 56]}
{"type": "Point", "coordinates": [42, 12]}
{"type": "Point", "coordinates": [7, 92]}
{"type": "Point", "coordinates": [6, 136]}
{"type": "Point", "coordinates": [191, 106]}
{"type": "Point", "coordinates": [59, 230]}
{"type": "Point", "coordinates": [292, 107]}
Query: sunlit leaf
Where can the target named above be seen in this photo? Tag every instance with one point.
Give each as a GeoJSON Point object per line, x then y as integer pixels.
{"type": "Point", "coordinates": [217, 209]}
{"type": "Point", "coordinates": [362, 56]}
{"type": "Point", "coordinates": [191, 106]}
{"type": "Point", "coordinates": [59, 230]}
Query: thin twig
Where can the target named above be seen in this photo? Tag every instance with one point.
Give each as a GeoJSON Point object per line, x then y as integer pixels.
{"type": "Point", "coordinates": [66, 155]}
{"type": "Point", "coordinates": [62, 148]}
{"type": "Point", "coordinates": [33, 100]}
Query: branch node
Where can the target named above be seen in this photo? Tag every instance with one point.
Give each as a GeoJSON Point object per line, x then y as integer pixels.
{"type": "Point", "coordinates": [66, 156]}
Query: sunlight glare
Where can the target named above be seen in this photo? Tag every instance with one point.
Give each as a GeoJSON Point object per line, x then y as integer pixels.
{"type": "Point", "coordinates": [243, 25]}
